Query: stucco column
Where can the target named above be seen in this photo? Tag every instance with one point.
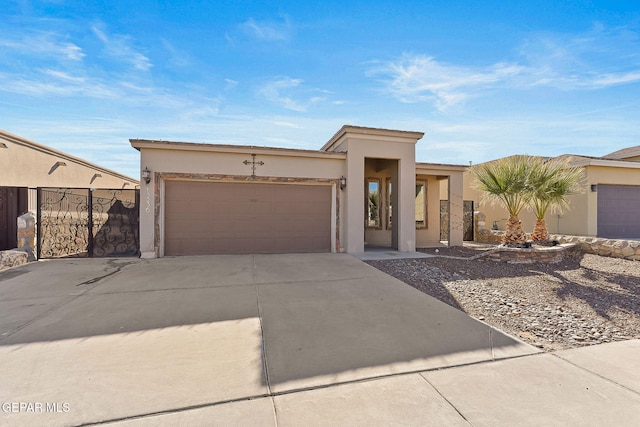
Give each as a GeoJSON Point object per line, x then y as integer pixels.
{"type": "Point", "coordinates": [456, 208]}
{"type": "Point", "coordinates": [355, 203]}
{"type": "Point", "coordinates": [592, 212]}
{"type": "Point", "coordinates": [405, 211]}
{"type": "Point", "coordinates": [394, 204]}
{"type": "Point", "coordinates": [147, 219]}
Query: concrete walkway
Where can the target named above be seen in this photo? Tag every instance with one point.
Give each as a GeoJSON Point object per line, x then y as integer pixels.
{"type": "Point", "coordinates": [280, 340]}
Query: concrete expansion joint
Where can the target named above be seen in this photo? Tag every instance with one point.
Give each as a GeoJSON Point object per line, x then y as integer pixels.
{"type": "Point", "coordinates": [263, 350]}
{"type": "Point", "coordinates": [171, 411]}
{"type": "Point", "coordinates": [135, 291]}
{"type": "Point", "coordinates": [271, 395]}
{"type": "Point", "coordinates": [447, 400]}
{"type": "Point", "coordinates": [396, 374]}
{"type": "Point", "coordinates": [596, 374]}
{"type": "Point", "coordinates": [314, 280]}
{"type": "Point", "coordinates": [493, 353]}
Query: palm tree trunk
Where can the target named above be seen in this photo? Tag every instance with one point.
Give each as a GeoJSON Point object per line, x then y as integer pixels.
{"type": "Point", "coordinates": [514, 233]}
{"type": "Point", "coordinates": [540, 232]}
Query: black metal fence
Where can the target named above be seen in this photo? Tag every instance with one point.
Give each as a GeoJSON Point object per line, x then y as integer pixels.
{"type": "Point", "coordinates": [83, 222]}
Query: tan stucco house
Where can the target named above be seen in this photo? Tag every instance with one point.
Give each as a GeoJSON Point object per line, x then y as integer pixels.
{"type": "Point", "coordinates": [362, 188]}
{"type": "Point", "coordinates": [26, 165]}
{"type": "Point", "coordinates": [609, 206]}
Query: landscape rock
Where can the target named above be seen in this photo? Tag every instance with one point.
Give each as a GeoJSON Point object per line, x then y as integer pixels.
{"type": "Point", "coordinates": [581, 300]}
{"type": "Point", "coordinates": [12, 258]}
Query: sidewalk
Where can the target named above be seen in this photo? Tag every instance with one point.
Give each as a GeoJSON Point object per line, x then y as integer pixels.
{"type": "Point", "coordinates": [593, 386]}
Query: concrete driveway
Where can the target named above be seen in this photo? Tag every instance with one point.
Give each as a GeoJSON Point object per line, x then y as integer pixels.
{"type": "Point", "coordinates": [253, 340]}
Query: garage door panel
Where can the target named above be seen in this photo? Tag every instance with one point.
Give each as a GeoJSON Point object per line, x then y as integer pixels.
{"type": "Point", "coordinates": [211, 218]}
{"type": "Point", "coordinates": [618, 207]}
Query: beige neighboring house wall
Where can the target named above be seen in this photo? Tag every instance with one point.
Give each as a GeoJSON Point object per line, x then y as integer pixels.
{"type": "Point", "coordinates": [353, 154]}
{"type": "Point", "coordinates": [583, 217]}
{"type": "Point", "coordinates": [621, 168]}
{"type": "Point", "coordinates": [25, 163]}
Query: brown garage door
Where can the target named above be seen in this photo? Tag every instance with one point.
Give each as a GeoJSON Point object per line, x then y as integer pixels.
{"type": "Point", "coordinates": [241, 218]}
{"type": "Point", "coordinates": [618, 211]}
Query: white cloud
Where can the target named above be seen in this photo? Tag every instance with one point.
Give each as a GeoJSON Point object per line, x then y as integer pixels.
{"type": "Point", "coordinates": [177, 57]}
{"type": "Point", "coordinates": [268, 31]}
{"type": "Point", "coordinates": [119, 46]}
{"type": "Point", "coordinates": [45, 43]}
{"type": "Point", "coordinates": [273, 92]}
{"type": "Point", "coordinates": [49, 82]}
{"type": "Point", "coordinates": [597, 59]}
{"type": "Point", "coordinates": [64, 76]}
{"type": "Point", "coordinates": [415, 78]}
{"type": "Point", "coordinates": [205, 112]}
{"type": "Point", "coordinates": [291, 94]}
{"type": "Point", "coordinates": [605, 80]}
{"type": "Point", "coordinates": [230, 84]}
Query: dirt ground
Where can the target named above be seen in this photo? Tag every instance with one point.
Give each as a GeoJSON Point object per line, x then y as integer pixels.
{"type": "Point", "coordinates": [583, 300]}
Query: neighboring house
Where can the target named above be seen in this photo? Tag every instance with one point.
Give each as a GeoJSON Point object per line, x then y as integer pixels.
{"type": "Point", "coordinates": [363, 187]}
{"type": "Point", "coordinates": [609, 206]}
{"type": "Point", "coordinates": [26, 165]}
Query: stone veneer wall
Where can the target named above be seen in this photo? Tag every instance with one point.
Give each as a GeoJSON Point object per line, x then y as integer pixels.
{"type": "Point", "coordinates": [545, 254]}
{"type": "Point", "coordinates": [627, 249]}
{"type": "Point", "coordinates": [616, 248]}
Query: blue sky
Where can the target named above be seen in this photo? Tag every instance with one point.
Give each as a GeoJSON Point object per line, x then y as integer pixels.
{"type": "Point", "coordinates": [481, 79]}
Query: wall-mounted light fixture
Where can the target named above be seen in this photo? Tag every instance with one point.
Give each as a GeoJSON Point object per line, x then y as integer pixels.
{"type": "Point", "coordinates": [3, 145]}
{"type": "Point", "coordinates": [343, 182]}
{"type": "Point", "coordinates": [594, 188]}
{"type": "Point", "coordinates": [146, 175]}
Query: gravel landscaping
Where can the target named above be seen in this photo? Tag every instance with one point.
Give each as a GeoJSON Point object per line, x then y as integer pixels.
{"type": "Point", "coordinates": [583, 300]}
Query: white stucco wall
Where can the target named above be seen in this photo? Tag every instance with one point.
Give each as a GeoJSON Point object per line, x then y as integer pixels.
{"type": "Point", "coordinates": [344, 155]}
{"type": "Point", "coordinates": [364, 144]}
{"type": "Point", "coordinates": [211, 162]}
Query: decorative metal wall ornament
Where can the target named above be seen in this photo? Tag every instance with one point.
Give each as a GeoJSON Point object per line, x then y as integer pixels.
{"type": "Point", "coordinates": [81, 222]}
{"type": "Point", "coordinates": [115, 223]}
{"type": "Point", "coordinates": [63, 222]}
{"type": "Point", "coordinates": [253, 164]}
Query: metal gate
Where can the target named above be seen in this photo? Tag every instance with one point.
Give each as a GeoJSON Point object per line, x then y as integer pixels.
{"type": "Point", "coordinates": [81, 222]}
{"type": "Point", "coordinates": [467, 220]}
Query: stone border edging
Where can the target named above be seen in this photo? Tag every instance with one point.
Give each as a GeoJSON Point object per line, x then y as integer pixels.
{"type": "Point", "coordinates": [615, 248]}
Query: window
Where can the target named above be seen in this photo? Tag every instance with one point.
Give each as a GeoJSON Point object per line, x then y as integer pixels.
{"type": "Point", "coordinates": [373, 203]}
{"type": "Point", "coordinates": [421, 204]}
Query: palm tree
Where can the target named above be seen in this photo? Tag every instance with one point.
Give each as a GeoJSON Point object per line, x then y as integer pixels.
{"type": "Point", "coordinates": [506, 181]}
{"type": "Point", "coordinates": [551, 181]}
